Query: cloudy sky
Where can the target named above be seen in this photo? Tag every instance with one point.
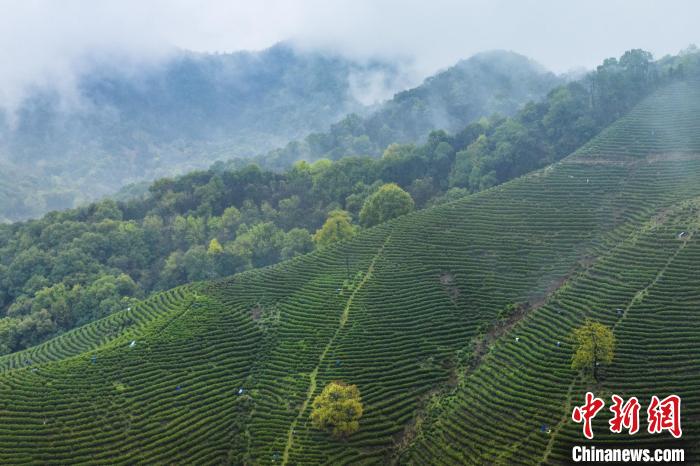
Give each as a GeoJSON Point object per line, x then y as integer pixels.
{"type": "Point", "coordinates": [46, 41]}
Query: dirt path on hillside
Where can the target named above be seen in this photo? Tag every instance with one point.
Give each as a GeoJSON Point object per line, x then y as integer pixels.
{"type": "Point", "coordinates": [312, 377]}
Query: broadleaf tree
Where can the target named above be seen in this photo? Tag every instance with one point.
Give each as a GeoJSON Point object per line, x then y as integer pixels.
{"type": "Point", "coordinates": [389, 201]}
{"type": "Point", "coordinates": [337, 409]}
{"type": "Point", "coordinates": [337, 227]}
{"type": "Point", "coordinates": [594, 345]}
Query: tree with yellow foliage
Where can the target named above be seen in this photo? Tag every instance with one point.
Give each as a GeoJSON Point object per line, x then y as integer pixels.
{"type": "Point", "coordinates": [594, 345]}
{"type": "Point", "coordinates": [215, 247]}
{"type": "Point", "coordinates": [337, 409]}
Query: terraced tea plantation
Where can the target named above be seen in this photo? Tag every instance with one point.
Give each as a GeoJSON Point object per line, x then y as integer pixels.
{"type": "Point", "coordinates": [414, 312]}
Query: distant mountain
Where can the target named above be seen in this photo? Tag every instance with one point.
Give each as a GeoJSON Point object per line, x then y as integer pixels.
{"type": "Point", "coordinates": [169, 118]}
{"type": "Point", "coordinates": [487, 83]}
{"type": "Point", "coordinates": [195, 109]}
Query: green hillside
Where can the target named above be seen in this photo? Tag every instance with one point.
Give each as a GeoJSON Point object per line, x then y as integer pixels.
{"type": "Point", "coordinates": [415, 312]}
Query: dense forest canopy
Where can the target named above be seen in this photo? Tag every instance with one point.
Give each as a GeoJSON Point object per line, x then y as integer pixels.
{"type": "Point", "coordinates": [168, 118]}
{"type": "Point", "coordinates": [73, 266]}
{"type": "Point", "coordinates": [200, 108]}
{"type": "Point", "coordinates": [496, 82]}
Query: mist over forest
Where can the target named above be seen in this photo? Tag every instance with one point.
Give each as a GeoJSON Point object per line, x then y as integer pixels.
{"type": "Point", "coordinates": [193, 109]}
{"type": "Point", "coordinates": [170, 117]}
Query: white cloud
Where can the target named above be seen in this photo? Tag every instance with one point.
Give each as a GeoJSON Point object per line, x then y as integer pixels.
{"type": "Point", "coordinates": [46, 42]}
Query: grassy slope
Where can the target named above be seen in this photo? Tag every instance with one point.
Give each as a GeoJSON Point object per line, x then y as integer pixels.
{"type": "Point", "coordinates": [421, 289]}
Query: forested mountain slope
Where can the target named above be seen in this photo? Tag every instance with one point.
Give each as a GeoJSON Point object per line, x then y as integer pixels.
{"type": "Point", "coordinates": [127, 123]}
{"type": "Point", "coordinates": [195, 109]}
{"type": "Point", "coordinates": [415, 312]}
{"type": "Point", "coordinates": [488, 83]}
